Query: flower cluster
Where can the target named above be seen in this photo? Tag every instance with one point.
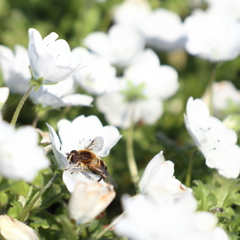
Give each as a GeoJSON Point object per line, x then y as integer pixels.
{"type": "Point", "coordinates": [62, 164]}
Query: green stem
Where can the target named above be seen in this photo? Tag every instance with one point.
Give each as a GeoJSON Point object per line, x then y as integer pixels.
{"type": "Point", "coordinates": [20, 105]}
{"type": "Point", "coordinates": [35, 121]}
{"type": "Point", "coordinates": [110, 226]}
{"type": "Point", "coordinates": [189, 171]}
{"type": "Point", "coordinates": [210, 86]}
{"type": "Point", "coordinates": [130, 155]}
{"type": "Point", "coordinates": [27, 208]}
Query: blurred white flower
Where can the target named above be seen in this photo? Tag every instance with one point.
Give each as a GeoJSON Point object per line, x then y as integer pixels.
{"type": "Point", "coordinates": [130, 12]}
{"type": "Point", "coordinates": [88, 200]}
{"type": "Point", "coordinates": [143, 87]}
{"type": "Point", "coordinates": [230, 7]}
{"type": "Point", "coordinates": [163, 30]}
{"type": "Point", "coordinates": [76, 135]}
{"type": "Point", "coordinates": [147, 218]}
{"type": "Point", "coordinates": [120, 46]}
{"type": "Point", "coordinates": [213, 138]}
{"type": "Point", "coordinates": [98, 76]}
{"type": "Point", "coordinates": [224, 93]}
{"type": "Point", "coordinates": [4, 93]}
{"type": "Point", "coordinates": [11, 229]}
{"type": "Point", "coordinates": [60, 95]}
{"type": "Point", "coordinates": [158, 176]}
{"type": "Point", "coordinates": [212, 36]}
{"type": "Point", "coordinates": [15, 68]}
{"type": "Point", "coordinates": [51, 59]}
{"type": "Point", "coordinates": [20, 155]}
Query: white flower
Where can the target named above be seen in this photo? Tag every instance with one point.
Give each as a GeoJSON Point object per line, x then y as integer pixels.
{"type": "Point", "coordinates": [60, 95]}
{"type": "Point", "coordinates": [76, 135]}
{"type": "Point", "coordinates": [120, 46]}
{"type": "Point", "coordinates": [163, 30]}
{"type": "Point", "coordinates": [4, 92]}
{"type": "Point", "coordinates": [130, 12]}
{"type": "Point", "coordinates": [15, 68]}
{"type": "Point", "coordinates": [224, 93]}
{"type": "Point", "coordinates": [230, 7]}
{"type": "Point", "coordinates": [88, 200]}
{"type": "Point", "coordinates": [11, 229]}
{"type": "Point", "coordinates": [51, 59]}
{"type": "Point", "coordinates": [212, 36]}
{"type": "Point", "coordinates": [20, 155]}
{"type": "Point", "coordinates": [158, 175]}
{"type": "Point", "coordinates": [143, 87]}
{"type": "Point", "coordinates": [98, 76]}
{"type": "Point", "coordinates": [147, 218]}
{"type": "Point", "coordinates": [213, 138]}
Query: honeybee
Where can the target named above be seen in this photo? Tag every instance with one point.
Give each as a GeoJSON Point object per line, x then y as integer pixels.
{"type": "Point", "coordinates": [87, 160]}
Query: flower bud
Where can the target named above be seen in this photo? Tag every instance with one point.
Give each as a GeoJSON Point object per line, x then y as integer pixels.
{"type": "Point", "coordinates": [89, 200]}
{"type": "Point", "coordinates": [11, 229]}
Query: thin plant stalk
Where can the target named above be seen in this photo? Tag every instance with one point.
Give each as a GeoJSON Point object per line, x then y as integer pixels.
{"type": "Point", "coordinates": [35, 121]}
{"type": "Point", "coordinates": [25, 212]}
{"type": "Point", "coordinates": [130, 154]}
{"type": "Point", "coordinates": [189, 171]}
{"type": "Point", "coordinates": [210, 86]}
{"type": "Point", "coordinates": [110, 225]}
{"type": "Point", "coordinates": [20, 105]}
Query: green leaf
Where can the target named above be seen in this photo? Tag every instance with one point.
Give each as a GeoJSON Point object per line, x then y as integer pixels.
{"type": "Point", "coordinates": [19, 187]}
{"type": "Point", "coordinates": [226, 191]}
{"type": "Point", "coordinates": [3, 198]}
{"type": "Point", "coordinates": [221, 193]}
{"type": "Point", "coordinates": [39, 223]}
{"type": "Point", "coordinates": [221, 197]}
{"type": "Point", "coordinates": [205, 197]}
{"type": "Point", "coordinates": [15, 210]}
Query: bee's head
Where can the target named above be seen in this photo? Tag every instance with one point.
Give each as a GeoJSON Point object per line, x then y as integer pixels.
{"type": "Point", "coordinates": [72, 157]}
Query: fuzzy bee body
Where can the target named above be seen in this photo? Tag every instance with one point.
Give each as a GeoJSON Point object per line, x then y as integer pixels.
{"type": "Point", "coordinates": [87, 160]}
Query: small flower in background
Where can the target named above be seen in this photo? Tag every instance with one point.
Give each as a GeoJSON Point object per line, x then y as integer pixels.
{"type": "Point", "coordinates": [60, 95]}
{"type": "Point", "coordinates": [212, 36]}
{"type": "Point", "coordinates": [216, 142]}
{"type": "Point", "coordinates": [163, 30]}
{"type": "Point", "coordinates": [120, 46]}
{"type": "Point", "coordinates": [224, 94]}
{"type": "Point", "coordinates": [164, 218]}
{"type": "Point", "coordinates": [131, 12]}
{"type": "Point", "coordinates": [88, 200]}
{"type": "Point", "coordinates": [98, 76]}
{"type": "Point", "coordinates": [144, 86]}
{"type": "Point", "coordinates": [4, 93]}
{"type": "Point", "coordinates": [15, 68]}
{"type": "Point", "coordinates": [51, 59]}
{"type": "Point", "coordinates": [76, 135]}
{"type": "Point", "coordinates": [20, 155]}
{"type": "Point", "coordinates": [158, 176]}
{"type": "Point", "coordinates": [11, 229]}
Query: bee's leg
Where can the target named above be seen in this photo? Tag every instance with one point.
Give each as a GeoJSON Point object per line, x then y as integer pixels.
{"type": "Point", "coordinates": [69, 168]}
{"type": "Point", "coordinates": [99, 179]}
{"type": "Point", "coordinates": [79, 170]}
{"type": "Point", "coordinates": [76, 166]}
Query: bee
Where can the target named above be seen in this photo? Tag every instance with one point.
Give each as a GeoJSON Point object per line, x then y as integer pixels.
{"type": "Point", "coordinates": [87, 160]}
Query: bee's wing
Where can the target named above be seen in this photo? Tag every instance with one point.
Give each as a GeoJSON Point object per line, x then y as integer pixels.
{"type": "Point", "coordinates": [109, 179]}
{"type": "Point", "coordinates": [95, 145]}
{"type": "Point", "coordinates": [104, 174]}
